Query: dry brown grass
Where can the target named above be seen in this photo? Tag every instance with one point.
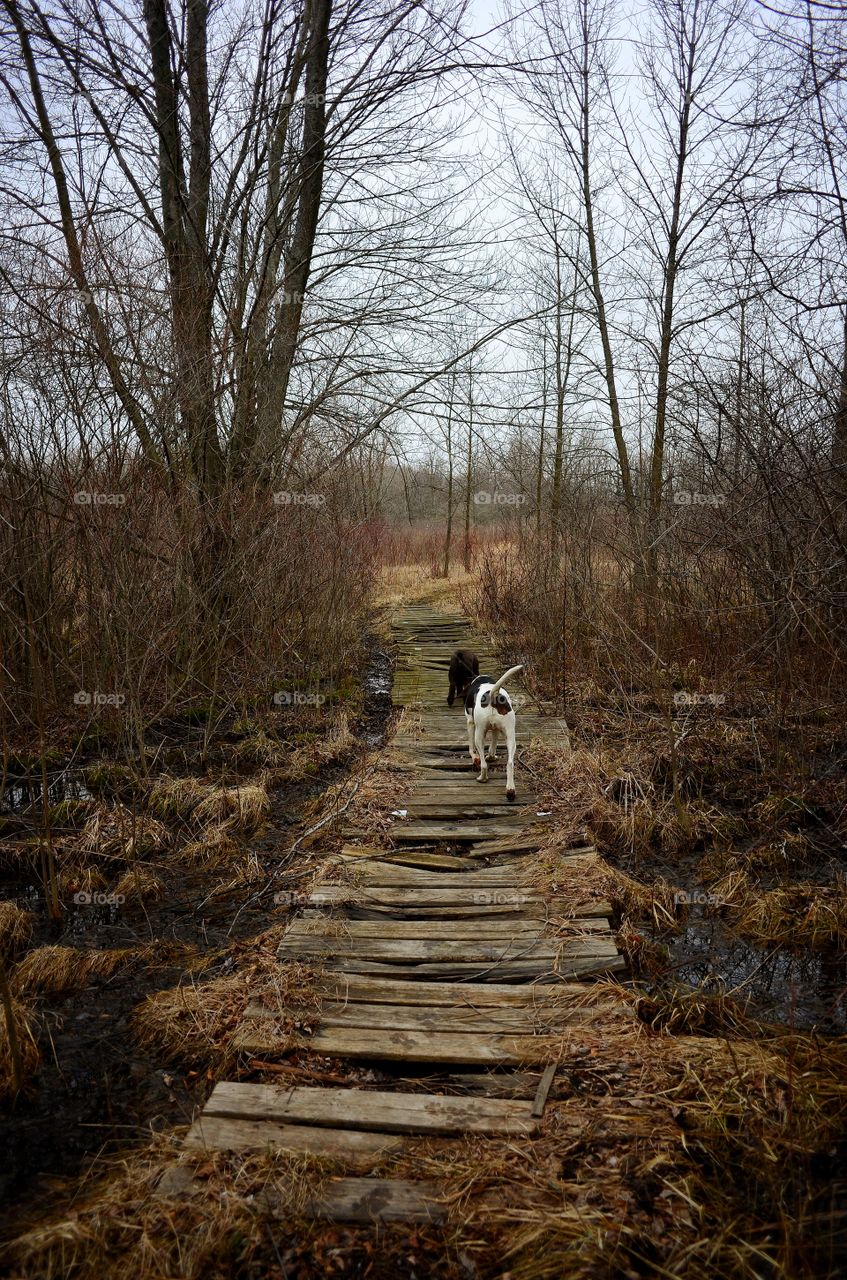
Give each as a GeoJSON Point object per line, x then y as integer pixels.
{"type": "Point", "coordinates": [53, 970]}
{"type": "Point", "coordinates": [216, 846]}
{"type": "Point", "coordinates": [194, 1023]}
{"type": "Point", "coordinates": [119, 834]}
{"type": "Point", "coordinates": [15, 928]}
{"type": "Point", "coordinates": [246, 806]}
{"type": "Point", "coordinates": [81, 880]}
{"type": "Point", "coordinates": [140, 884]}
{"type": "Point", "coordinates": [123, 1224]}
{"type": "Point", "coordinates": [334, 744]}
{"type": "Point", "coordinates": [800, 914]}
{"type": "Point", "coordinates": [25, 1026]}
{"type": "Point", "coordinates": [177, 797]}
{"type": "Point", "coordinates": [403, 584]}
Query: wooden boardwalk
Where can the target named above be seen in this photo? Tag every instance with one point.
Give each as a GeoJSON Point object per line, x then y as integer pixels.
{"type": "Point", "coordinates": [432, 951]}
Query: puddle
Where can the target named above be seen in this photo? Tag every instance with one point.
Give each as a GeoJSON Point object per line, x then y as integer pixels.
{"type": "Point", "coordinates": [24, 794]}
{"type": "Point", "coordinates": [377, 680]}
{"type": "Point", "coordinates": [800, 988]}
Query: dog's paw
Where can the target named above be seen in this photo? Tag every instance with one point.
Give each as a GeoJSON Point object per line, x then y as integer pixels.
{"type": "Point", "coordinates": [483, 777]}
{"type": "Point", "coordinates": [510, 796]}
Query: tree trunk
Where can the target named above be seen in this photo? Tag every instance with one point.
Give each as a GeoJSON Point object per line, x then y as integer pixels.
{"type": "Point", "coordinates": [306, 195]}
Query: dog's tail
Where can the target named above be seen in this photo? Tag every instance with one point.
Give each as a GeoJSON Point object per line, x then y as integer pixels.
{"type": "Point", "coordinates": [497, 686]}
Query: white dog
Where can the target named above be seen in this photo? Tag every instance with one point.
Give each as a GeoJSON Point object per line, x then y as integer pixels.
{"type": "Point", "coordinates": [490, 714]}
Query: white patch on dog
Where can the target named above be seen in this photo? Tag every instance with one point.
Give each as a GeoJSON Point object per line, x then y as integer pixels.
{"type": "Point", "coordinates": [490, 715]}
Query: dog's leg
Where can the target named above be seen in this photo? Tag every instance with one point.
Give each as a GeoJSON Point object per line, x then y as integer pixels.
{"type": "Point", "coordinates": [451, 696]}
{"type": "Point", "coordinates": [480, 751]}
{"type": "Point", "coordinates": [492, 746]}
{"type": "Point", "coordinates": [471, 750]}
{"type": "Point", "coordinates": [511, 743]}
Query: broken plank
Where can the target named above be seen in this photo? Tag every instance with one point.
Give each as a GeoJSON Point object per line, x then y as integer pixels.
{"type": "Point", "coordinates": [493, 971]}
{"type": "Point", "coordinates": [363, 1200]}
{"type": "Point", "coordinates": [540, 1099]}
{"type": "Point", "coordinates": [527, 842]}
{"type": "Point", "coordinates": [221, 1133]}
{"type": "Point", "coordinates": [409, 858]}
{"type": "Point", "coordinates": [465, 832]}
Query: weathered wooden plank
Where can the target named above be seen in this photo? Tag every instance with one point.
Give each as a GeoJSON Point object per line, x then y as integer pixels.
{"type": "Point", "coordinates": [527, 1020]}
{"type": "Point", "coordinates": [493, 893]}
{"type": "Point", "coordinates": [410, 858]}
{"type": "Point", "coordinates": [433, 895]}
{"type": "Point", "coordinates": [528, 842]}
{"type": "Point", "coordinates": [433, 810]}
{"type": "Point", "coordinates": [375, 912]}
{"type": "Point", "coordinates": [490, 971]}
{"type": "Point", "coordinates": [221, 1133]}
{"type": "Point", "coordinates": [364, 1200]}
{"type": "Point", "coordinates": [459, 995]}
{"type": "Point", "coordinates": [485, 928]}
{"type": "Point", "coordinates": [459, 791]}
{"type": "Point", "coordinates": [361, 1109]}
{"type": "Point", "coordinates": [467, 832]}
{"type": "Point", "coordinates": [418, 950]}
{"type": "Point", "coordinates": [428, 1046]}
{"type": "Point", "coordinates": [460, 930]}
{"type": "Point", "coordinates": [540, 1100]}
{"type": "Point", "coordinates": [371, 872]}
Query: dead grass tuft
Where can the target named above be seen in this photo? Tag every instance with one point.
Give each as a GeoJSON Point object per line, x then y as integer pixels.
{"type": "Point", "coordinates": [216, 846]}
{"type": "Point", "coordinates": [162, 1212]}
{"type": "Point", "coordinates": [53, 970]}
{"type": "Point", "coordinates": [194, 1023]}
{"type": "Point", "coordinates": [334, 744]}
{"type": "Point", "coordinates": [118, 833]}
{"type": "Point", "coordinates": [25, 1025]}
{"type": "Point", "coordinates": [694, 1011]}
{"type": "Point", "coordinates": [247, 807]}
{"type": "Point", "coordinates": [177, 797]}
{"type": "Point", "coordinates": [81, 880]}
{"type": "Point", "coordinates": [140, 884]}
{"type": "Point", "coordinates": [15, 928]}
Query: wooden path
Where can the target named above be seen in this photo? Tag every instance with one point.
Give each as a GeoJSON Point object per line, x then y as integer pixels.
{"type": "Point", "coordinates": [433, 952]}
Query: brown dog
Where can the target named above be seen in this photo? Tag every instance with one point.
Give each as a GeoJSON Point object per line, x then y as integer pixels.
{"type": "Point", "coordinates": [464, 665]}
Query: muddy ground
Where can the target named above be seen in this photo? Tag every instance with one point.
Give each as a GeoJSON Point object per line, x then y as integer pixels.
{"type": "Point", "coordinates": [96, 1090]}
